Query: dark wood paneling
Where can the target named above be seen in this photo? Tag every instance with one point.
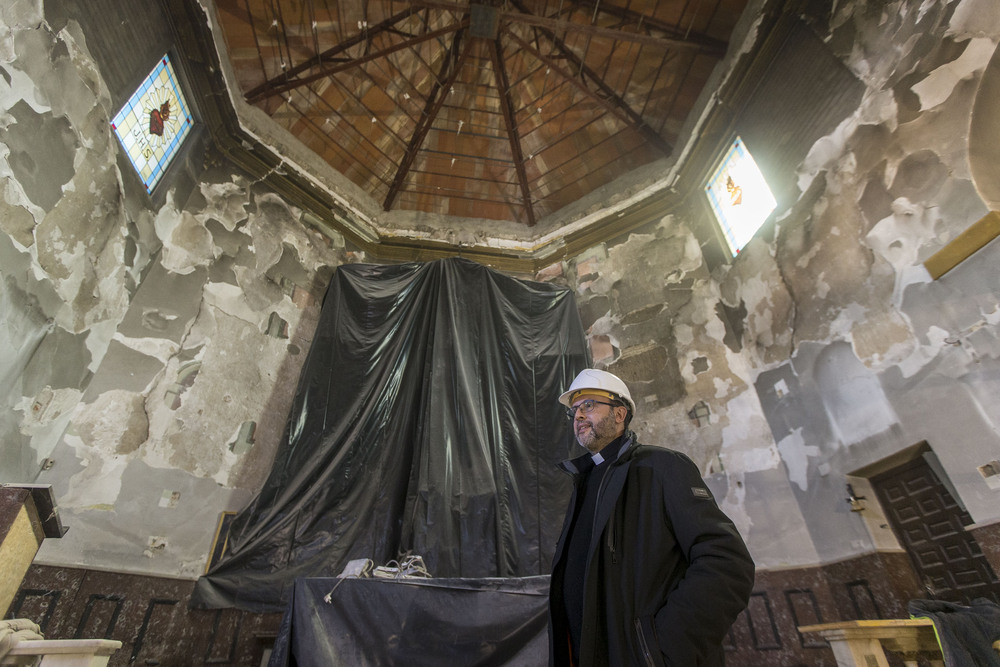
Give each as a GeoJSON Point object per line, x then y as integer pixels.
{"type": "Point", "coordinates": [805, 611]}
{"type": "Point", "coordinates": [99, 618]}
{"type": "Point", "coordinates": [149, 615]}
{"type": "Point", "coordinates": [863, 600]}
{"type": "Point", "coordinates": [763, 629]}
{"type": "Point", "coordinates": [767, 632]}
{"type": "Point", "coordinates": [988, 538]}
{"type": "Point", "coordinates": [38, 604]}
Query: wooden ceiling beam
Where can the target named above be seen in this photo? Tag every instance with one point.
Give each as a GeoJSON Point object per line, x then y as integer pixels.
{"type": "Point", "coordinates": [327, 72]}
{"type": "Point", "coordinates": [611, 101]}
{"type": "Point", "coordinates": [442, 83]}
{"type": "Point", "coordinates": [709, 45]}
{"type": "Point", "coordinates": [613, 33]}
{"type": "Point", "coordinates": [510, 121]}
{"type": "Point", "coordinates": [698, 42]}
{"type": "Point", "coordinates": [253, 31]}
{"type": "Point", "coordinates": [293, 71]}
{"type": "Point", "coordinates": [617, 104]}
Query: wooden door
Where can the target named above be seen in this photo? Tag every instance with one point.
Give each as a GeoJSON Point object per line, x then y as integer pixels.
{"type": "Point", "coordinates": [931, 527]}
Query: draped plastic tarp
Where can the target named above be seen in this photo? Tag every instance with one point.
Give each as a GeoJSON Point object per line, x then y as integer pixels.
{"type": "Point", "coordinates": [425, 421]}
{"type": "Point", "coordinates": [416, 622]}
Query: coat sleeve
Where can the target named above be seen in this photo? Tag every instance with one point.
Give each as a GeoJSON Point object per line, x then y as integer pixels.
{"type": "Point", "coordinates": [716, 586]}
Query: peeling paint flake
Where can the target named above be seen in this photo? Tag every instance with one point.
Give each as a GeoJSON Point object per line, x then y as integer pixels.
{"type": "Point", "coordinates": [759, 458]}
{"type": "Point", "coordinates": [169, 499]}
{"type": "Point", "coordinates": [158, 348]}
{"type": "Point", "coordinates": [795, 454]}
{"type": "Point", "coordinates": [939, 84]}
{"type": "Point", "coordinates": [99, 483]}
{"type": "Point", "coordinates": [227, 203]}
{"type": "Point", "coordinates": [974, 18]}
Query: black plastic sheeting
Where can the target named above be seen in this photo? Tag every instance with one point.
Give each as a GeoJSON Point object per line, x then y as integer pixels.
{"type": "Point", "coordinates": [426, 421]}
{"type": "Point", "coordinates": [418, 622]}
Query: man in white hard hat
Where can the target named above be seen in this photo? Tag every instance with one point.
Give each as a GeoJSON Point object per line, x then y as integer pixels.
{"type": "Point", "coordinates": [648, 570]}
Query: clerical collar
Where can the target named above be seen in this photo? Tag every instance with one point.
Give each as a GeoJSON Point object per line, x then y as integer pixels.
{"type": "Point", "coordinates": [609, 452]}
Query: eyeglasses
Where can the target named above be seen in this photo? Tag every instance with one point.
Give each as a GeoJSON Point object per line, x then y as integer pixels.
{"type": "Point", "coordinates": [587, 407]}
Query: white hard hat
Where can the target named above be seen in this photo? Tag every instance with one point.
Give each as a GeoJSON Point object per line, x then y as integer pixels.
{"type": "Point", "coordinates": [592, 380]}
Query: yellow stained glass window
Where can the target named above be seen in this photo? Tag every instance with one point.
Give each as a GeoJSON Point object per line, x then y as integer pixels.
{"type": "Point", "coordinates": [154, 123]}
{"type": "Point", "coordinates": [739, 196]}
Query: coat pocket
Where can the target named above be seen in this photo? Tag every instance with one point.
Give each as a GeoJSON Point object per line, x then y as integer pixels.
{"type": "Point", "coordinates": [645, 637]}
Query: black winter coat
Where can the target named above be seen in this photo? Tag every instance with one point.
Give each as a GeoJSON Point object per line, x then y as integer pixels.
{"type": "Point", "coordinates": [667, 574]}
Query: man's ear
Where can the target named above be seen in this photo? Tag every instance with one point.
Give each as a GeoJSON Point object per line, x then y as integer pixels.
{"type": "Point", "coordinates": [621, 412]}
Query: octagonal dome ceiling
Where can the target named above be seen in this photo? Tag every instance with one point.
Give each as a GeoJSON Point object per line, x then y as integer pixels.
{"type": "Point", "coordinates": [500, 111]}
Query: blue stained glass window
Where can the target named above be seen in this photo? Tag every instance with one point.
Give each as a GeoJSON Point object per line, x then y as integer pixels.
{"type": "Point", "coordinates": [739, 196]}
{"type": "Point", "coordinates": [154, 123]}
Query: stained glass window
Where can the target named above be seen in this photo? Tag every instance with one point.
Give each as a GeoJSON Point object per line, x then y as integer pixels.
{"type": "Point", "coordinates": [154, 123]}
{"type": "Point", "coordinates": [739, 196]}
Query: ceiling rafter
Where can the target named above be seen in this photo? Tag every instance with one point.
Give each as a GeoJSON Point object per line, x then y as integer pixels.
{"type": "Point", "coordinates": [611, 101]}
{"type": "Point", "coordinates": [511, 123]}
{"type": "Point", "coordinates": [330, 71]}
{"type": "Point", "coordinates": [325, 137]}
{"type": "Point", "coordinates": [656, 78]}
{"type": "Point", "coordinates": [699, 43]}
{"type": "Point", "coordinates": [253, 31]}
{"type": "Point", "coordinates": [433, 105]}
{"type": "Point", "coordinates": [364, 151]}
{"type": "Point", "coordinates": [711, 45]}
{"type": "Point", "coordinates": [617, 103]}
{"type": "Point", "coordinates": [280, 21]}
{"type": "Point", "coordinates": [318, 60]}
{"type": "Point", "coordinates": [313, 25]}
{"type": "Point", "coordinates": [612, 33]}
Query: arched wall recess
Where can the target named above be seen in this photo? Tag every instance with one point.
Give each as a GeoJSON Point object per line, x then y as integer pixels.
{"type": "Point", "coordinates": [984, 164]}
{"type": "Point", "coordinates": [984, 148]}
{"type": "Point", "coordinates": [852, 396]}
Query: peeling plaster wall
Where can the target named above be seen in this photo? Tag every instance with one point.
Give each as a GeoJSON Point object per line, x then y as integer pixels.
{"type": "Point", "coordinates": [826, 346]}
{"type": "Point", "coordinates": [148, 352]}
{"type": "Point", "coordinates": [885, 357]}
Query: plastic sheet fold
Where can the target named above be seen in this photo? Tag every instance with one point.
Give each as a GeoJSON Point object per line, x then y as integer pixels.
{"type": "Point", "coordinates": [425, 421]}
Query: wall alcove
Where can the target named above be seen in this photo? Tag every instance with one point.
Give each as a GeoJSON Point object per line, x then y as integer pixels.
{"type": "Point", "coordinates": [984, 135]}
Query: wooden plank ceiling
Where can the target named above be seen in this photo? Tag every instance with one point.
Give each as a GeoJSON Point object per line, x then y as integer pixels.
{"type": "Point", "coordinates": [502, 111]}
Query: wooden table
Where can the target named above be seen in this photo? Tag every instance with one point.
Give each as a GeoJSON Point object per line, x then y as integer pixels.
{"type": "Point", "coordinates": [62, 652]}
{"type": "Point", "coordinates": [863, 643]}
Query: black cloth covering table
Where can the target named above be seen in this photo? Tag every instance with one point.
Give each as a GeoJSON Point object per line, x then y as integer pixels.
{"type": "Point", "coordinates": [414, 622]}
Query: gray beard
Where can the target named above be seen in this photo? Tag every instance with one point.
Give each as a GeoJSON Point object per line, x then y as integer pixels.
{"type": "Point", "coordinates": [600, 435]}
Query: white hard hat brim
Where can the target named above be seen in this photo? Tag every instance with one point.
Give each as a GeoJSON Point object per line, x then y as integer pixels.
{"type": "Point", "coordinates": [592, 378]}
